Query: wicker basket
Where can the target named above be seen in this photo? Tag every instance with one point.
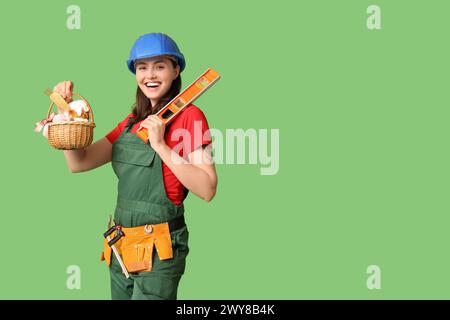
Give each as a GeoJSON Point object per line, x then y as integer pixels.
{"type": "Point", "coordinates": [69, 135]}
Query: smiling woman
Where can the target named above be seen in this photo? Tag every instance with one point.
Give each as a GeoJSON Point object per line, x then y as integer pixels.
{"type": "Point", "coordinates": [153, 179]}
{"type": "Point", "coordinates": [149, 175]}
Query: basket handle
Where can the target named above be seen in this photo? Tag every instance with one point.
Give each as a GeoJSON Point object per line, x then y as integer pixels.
{"type": "Point", "coordinates": [91, 114]}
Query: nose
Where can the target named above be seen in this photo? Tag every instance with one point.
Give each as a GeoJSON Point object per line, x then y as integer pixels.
{"type": "Point", "coordinates": [149, 74]}
{"type": "Point", "coordinates": [152, 73]}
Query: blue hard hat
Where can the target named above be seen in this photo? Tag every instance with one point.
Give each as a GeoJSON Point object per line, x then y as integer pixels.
{"type": "Point", "coordinates": [152, 45]}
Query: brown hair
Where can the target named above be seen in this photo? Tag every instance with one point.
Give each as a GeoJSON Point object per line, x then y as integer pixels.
{"type": "Point", "coordinates": [142, 108]}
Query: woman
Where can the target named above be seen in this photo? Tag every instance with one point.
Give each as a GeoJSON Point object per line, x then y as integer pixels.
{"type": "Point", "coordinates": [153, 179]}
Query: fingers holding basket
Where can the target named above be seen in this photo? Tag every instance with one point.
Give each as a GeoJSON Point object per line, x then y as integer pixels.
{"type": "Point", "coordinates": [65, 89]}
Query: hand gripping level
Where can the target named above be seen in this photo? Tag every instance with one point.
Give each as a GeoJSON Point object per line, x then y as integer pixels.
{"type": "Point", "coordinates": [182, 100]}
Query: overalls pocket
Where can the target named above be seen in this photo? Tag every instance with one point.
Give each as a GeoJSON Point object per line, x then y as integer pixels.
{"type": "Point", "coordinates": [180, 242]}
{"type": "Point", "coordinates": [133, 166]}
{"type": "Point", "coordinates": [142, 155]}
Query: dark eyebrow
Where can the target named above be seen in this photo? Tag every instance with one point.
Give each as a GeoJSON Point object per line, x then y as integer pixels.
{"type": "Point", "coordinates": [157, 61]}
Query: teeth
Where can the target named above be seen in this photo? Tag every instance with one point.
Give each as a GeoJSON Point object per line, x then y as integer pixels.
{"type": "Point", "coordinates": [153, 85]}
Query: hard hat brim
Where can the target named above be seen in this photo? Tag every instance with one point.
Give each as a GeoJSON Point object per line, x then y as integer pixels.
{"type": "Point", "coordinates": [178, 56]}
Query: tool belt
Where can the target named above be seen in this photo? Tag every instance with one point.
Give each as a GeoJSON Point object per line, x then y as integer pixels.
{"type": "Point", "coordinates": [136, 244]}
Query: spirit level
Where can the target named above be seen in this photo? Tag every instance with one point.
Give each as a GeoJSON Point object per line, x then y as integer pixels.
{"type": "Point", "coordinates": [182, 100]}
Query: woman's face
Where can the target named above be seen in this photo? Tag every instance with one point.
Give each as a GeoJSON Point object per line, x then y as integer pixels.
{"type": "Point", "coordinates": [155, 75]}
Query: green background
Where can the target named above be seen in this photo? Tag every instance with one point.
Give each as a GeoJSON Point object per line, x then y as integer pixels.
{"type": "Point", "coordinates": [362, 114]}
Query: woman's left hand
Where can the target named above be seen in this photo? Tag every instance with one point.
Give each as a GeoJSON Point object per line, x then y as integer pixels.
{"type": "Point", "coordinates": [156, 129]}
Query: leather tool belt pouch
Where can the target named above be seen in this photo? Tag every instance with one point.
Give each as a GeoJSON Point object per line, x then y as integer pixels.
{"type": "Point", "coordinates": [136, 246]}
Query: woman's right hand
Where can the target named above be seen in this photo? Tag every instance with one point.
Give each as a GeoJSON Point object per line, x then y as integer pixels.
{"type": "Point", "coordinates": [65, 89]}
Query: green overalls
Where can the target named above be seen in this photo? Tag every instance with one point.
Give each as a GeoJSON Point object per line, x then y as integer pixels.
{"type": "Point", "coordinates": [142, 200]}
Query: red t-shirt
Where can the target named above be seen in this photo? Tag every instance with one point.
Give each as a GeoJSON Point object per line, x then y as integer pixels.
{"type": "Point", "coordinates": [195, 134]}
